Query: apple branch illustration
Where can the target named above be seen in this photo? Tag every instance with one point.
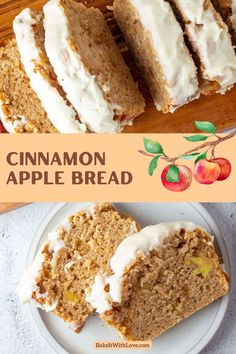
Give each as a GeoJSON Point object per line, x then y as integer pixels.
{"type": "Point", "coordinates": [206, 170]}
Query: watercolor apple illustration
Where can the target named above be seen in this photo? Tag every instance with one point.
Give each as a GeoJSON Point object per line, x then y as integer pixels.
{"type": "Point", "coordinates": [225, 167]}
{"type": "Point", "coordinates": [176, 178]}
{"type": "Point", "coordinates": [206, 171]}
{"type": "Point", "coordinates": [210, 171]}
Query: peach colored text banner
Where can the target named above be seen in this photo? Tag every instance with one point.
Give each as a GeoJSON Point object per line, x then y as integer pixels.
{"type": "Point", "coordinates": [102, 168]}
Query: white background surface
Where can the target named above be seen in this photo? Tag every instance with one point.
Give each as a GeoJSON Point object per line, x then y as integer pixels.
{"type": "Point", "coordinates": [18, 334]}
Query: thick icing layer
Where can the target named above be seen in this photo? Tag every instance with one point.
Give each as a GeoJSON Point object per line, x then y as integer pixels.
{"type": "Point", "coordinates": [62, 116]}
{"type": "Point", "coordinates": [211, 39]}
{"type": "Point", "coordinates": [139, 244]}
{"type": "Point", "coordinates": [178, 67]}
{"type": "Point", "coordinates": [80, 86]}
{"type": "Point", "coordinates": [28, 284]}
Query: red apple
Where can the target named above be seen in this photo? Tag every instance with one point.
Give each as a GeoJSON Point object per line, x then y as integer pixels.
{"type": "Point", "coordinates": [225, 168]}
{"type": "Point", "coordinates": [185, 179]}
{"type": "Point", "coordinates": [206, 171]}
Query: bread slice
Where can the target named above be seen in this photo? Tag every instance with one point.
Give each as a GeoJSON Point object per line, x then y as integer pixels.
{"type": "Point", "coordinates": [20, 109]}
{"type": "Point", "coordinates": [69, 260]}
{"type": "Point", "coordinates": [157, 42]}
{"type": "Point", "coordinates": [90, 67]}
{"type": "Point", "coordinates": [160, 276]}
{"type": "Point", "coordinates": [29, 32]}
{"type": "Point", "coordinates": [211, 42]}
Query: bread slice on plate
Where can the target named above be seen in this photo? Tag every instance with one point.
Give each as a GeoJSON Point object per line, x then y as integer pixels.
{"type": "Point", "coordinates": [90, 67]}
{"type": "Point", "coordinates": [211, 42]}
{"type": "Point", "coordinates": [20, 108]}
{"type": "Point", "coordinates": [68, 261]}
{"type": "Point", "coordinates": [156, 40]}
{"type": "Point", "coordinates": [29, 32]}
{"type": "Point", "coordinates": [160, 276]}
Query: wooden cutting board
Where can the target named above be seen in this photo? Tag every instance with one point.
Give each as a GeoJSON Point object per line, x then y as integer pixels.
{"type": "Point", "coordinates": [219, 109]}
{"type": "Point", "coordinates": [6, 207]}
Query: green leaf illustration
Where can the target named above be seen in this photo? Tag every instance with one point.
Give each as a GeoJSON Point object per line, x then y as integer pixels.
{"type": "Point", "coordinates": [153, 147]}
{"type": "Point", "coordinates": [173, 174]}
{"type": "Point", "coordinates": [196, 138]}
{"type": "Point", "coordinates": [153, 165]}
{"type": "Point", "coordinates": [207, 127]}
{"type": "Point", "coordinates": [190, 156]}
{"type": "Point", "coordinates": [201, 157]}
{"type": "Point", "coordinates": [204, 265]}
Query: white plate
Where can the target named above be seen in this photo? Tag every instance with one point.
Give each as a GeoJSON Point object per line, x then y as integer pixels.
{"type": "Point", "coordinates": [188, 337]}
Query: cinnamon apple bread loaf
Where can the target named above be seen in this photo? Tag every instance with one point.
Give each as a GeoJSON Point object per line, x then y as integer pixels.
{"type": "Point", "coordinates": [64, 73]}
